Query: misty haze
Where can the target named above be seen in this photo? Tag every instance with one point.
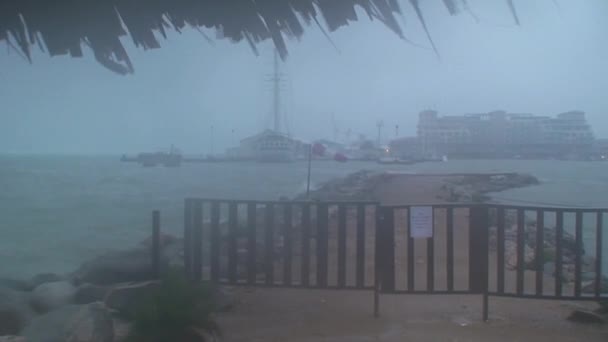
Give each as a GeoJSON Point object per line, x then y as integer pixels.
{"type": "Point", "coordinates": [402, 171]}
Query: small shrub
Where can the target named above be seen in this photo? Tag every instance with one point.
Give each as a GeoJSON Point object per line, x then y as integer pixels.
{"type": "Point", "coordinates": [174, 312]}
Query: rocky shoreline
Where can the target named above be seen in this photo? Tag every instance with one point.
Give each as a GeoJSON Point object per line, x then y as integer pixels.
{"type": "Point", "coordinates": [86, 305]}
{"type": "Point", "coordinates": [549, 253]}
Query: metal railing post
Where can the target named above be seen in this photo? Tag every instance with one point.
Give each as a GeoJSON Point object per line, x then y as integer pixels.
{"type": "Point", "coordinates": [478, 258]}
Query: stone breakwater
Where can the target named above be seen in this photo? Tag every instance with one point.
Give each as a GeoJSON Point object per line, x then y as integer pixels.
{"type": "Point", "coordinates": [465, 188]}
{"type": "Point", "coordinates": [87, 304]}
{"type": "Point", "coordinates": [358, 186]}
{"type": "Point", "coordinates": [476, 187]}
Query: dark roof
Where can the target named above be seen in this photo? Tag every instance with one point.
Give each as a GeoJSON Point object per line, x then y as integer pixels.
{"type": "Point", "coordinates": [62, 27]}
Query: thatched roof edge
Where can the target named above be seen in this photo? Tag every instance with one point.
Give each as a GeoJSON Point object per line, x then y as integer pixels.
{"type": "Point", "coordinates": [62, 27]}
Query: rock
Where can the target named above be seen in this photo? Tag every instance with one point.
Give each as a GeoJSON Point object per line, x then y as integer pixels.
{"type": "Point", "coordinates": [584, 316]}
{"type": "Point", "coordinates": [50, 296]}
{"type": "Point", "coordinates": [42, 278]}
{"type": "Point", "coordinates": [12, 339]}
{"type": "Point", "coordinates": [125, 298]}
{"type": "Point", "coordinates": [511, 255]}
{"type": "Point", "coordinates": [90, 293]}
{"type": "Point", "coordinates": [117, 267]}
{"type": "Point", "coordinates": [72, 323]}
{"type": "Point", "coordinates": [15, 311]}
{"type": "Point", "coordinates": [568, 273]}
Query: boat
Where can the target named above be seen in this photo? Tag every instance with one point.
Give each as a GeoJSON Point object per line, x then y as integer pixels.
{"type": "Point", "coordinates": [395, 161]}
{"type": "Point", "coordinates": [173, 158]}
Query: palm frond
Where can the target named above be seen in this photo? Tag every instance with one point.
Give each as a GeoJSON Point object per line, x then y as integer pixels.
{"type": "Point", "coordinates": [63, 26]}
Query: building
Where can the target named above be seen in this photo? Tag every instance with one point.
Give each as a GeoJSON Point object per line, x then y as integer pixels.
{"type": "Point", "coordinates": [499, 134]}
{"type": "Point", "coordinates": [268, 145]}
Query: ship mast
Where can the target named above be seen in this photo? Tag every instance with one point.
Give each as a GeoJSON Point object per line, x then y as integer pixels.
{"type": "Point", "coordinates": [276, 79]}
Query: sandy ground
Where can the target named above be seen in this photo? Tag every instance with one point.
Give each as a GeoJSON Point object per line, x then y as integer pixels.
{"type": "Point", "coordinates": [343, 316]}
{"type": "Point", "coordinates": [331, 315]}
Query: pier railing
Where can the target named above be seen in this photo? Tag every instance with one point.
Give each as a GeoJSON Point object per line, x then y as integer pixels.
{"type": "Point", "coordinates": [288, 244]}
{"type": "Point", "coordinates": [484, 249]}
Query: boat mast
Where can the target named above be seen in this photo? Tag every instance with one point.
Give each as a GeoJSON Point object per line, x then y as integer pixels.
{"type": "Point", "coordinates": [277, 92]}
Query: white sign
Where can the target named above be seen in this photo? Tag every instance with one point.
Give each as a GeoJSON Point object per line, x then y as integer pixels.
{"type": "Point", "coordinates": [421, 222]}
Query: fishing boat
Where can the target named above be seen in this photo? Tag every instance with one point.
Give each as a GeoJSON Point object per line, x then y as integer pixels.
{"type": "Point", "coordinates": [173, 158]}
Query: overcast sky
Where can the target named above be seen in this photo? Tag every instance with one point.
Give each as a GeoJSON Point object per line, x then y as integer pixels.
{"type": "Point", "coordinates": [556, 61]}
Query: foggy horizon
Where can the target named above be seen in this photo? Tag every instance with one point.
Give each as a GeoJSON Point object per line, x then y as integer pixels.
{"type": "Point", "coordinates": [554, 62]}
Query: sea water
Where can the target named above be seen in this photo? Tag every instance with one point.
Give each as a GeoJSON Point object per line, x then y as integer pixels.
{"type": "Point", "coordinates": [58, 211]}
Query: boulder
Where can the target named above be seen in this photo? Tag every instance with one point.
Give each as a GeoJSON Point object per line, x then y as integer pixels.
{"type": "Point", "coordinates": [125, 298]}
{"type": "Point", "coordinates": [588, 317]}
{"type": "Point", "coordinates": [90, 293]}
{"type": "Point", "coordinates": [42, 278]}
{"type": "Point", "coordinates": [15, 311]}
{"type": "Point", "coordinates": [511, 255]}
{"type": "Point", "coordinates": [12, 339]}
{"type": "Point", "coordinates": [72, 323]}
{"type": "Point", "coordinates": [117, 267]}
{"type": "Point", "coordinates": [50, 296]}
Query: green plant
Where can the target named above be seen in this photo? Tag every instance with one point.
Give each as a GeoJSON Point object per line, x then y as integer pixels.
{"type": "Point", "coordinates": [177, 311]}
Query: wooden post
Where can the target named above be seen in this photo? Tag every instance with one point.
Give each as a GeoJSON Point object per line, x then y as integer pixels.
{"type": "Point", "coordinates": [156, 243]}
